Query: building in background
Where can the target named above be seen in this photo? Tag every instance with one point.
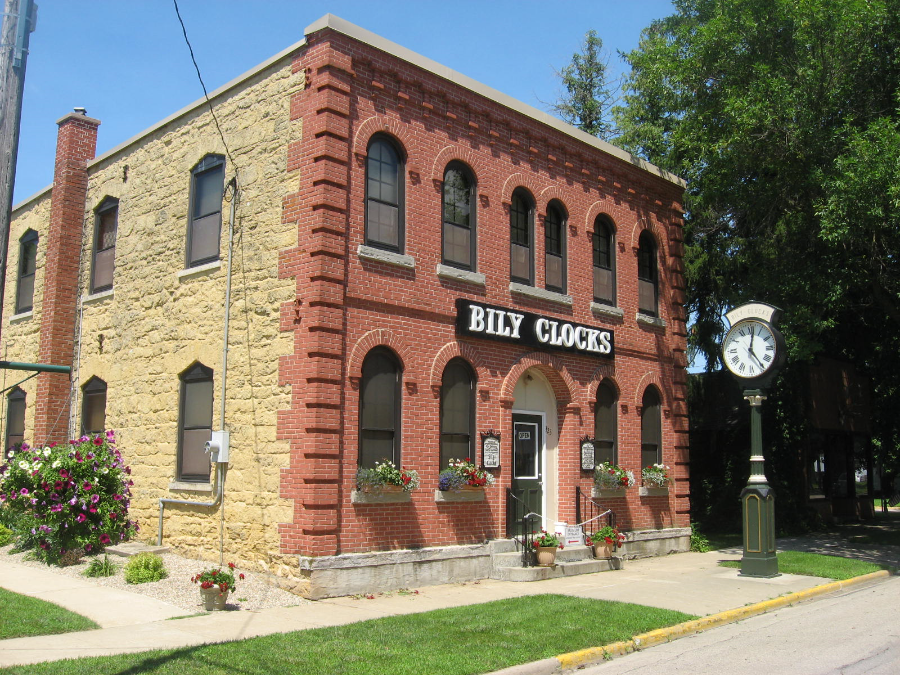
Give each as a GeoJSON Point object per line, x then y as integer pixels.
{"type": "Point", "coordinates": [419, 261]}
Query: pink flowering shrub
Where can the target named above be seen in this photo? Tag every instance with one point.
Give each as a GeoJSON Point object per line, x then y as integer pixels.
{"type": "Point", "coordinates": [68, 498]}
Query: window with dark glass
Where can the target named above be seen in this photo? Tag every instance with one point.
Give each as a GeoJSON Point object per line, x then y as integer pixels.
{"type": "Point", "coordinates": [93, 407]}
{"type": "Point", "coordinates": [195, 423]}
{"type": "Point", "coordinates": [459, 217]}
{"type": "Point", "coordinates": [651, 429]}
{"type": "Point", "coordinates": [15, 418]}
{"type": "Point", "coordinates": [106, 219]}
{"type": "Point", "coordinates": [648, 275]}
{"type": "Point", "coordinates": [457, 412]}
{"type": "Point", "coordinates": [384, 195]}
{"type": "Point", "coordinates": [521, 234]}
{"type": "Point", "coordinates": [28, 245]}
{"type": "Point", "coordinates": [379, 413]}
{"type": "Point", "coordinates": [605, 449]}
{"type": "Point", "coordinates": [604, 263]}
{"type": "Point", "coordinates": [204, 231]}
{"type": "Point", "coordinates": [555, 248]}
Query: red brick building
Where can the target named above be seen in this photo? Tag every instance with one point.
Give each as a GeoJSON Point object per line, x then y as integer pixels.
{"type": "Point", "coordinates": [464, 264]}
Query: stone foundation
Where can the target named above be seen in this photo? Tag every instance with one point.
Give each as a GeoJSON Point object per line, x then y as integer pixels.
{"type": "Point", "coordinates": [649, 543]}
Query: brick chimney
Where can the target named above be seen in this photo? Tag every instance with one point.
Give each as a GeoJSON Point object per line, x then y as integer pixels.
{"type": "Point", "coordinates": [76, 144]}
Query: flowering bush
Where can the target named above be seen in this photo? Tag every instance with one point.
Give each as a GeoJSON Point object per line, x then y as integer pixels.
{"type": "Point", "coordinates": [606, 535]}
{"type": "Point", "coordinates": [386, 473]}
{"type": "Point", "coordinates": [217, 577]}
{"type": "Point", "coordinates": [655, 475]}
{"type": "Point", "coordinates": [68, 499]}
{"type": "Point", "coordinates": [546, 539]}
{"type": "Point", "coordinates": [463, 472]}
{"type": "Point", "coordinates": [609, 476]}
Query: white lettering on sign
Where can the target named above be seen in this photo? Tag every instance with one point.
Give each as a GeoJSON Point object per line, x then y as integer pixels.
{"type": "Point", "coordinates": [585, 339]}
{"type": "Point", "coordinates": [498, 322]}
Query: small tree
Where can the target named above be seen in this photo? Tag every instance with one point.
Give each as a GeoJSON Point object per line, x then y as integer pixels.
{"type": "Point", "coordinates": [68, 498]}
{"type": "Point", "coordinates": [588, 100]}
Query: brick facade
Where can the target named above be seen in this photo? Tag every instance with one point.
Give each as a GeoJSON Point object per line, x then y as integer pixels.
{"type": "Point", "coordinates": [313, 300]}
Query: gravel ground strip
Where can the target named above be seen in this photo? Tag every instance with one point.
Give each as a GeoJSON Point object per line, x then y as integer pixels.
{"type": "Point", "coordinates": [252, 594]}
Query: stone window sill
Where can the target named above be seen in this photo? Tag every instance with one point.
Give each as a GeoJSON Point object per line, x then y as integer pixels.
{"type": "Point", "coordinates": [599, 309]}
{"type": "Point", "coordinates": [654, 492]}
{"type": "Point", "coordinates": [96, 297]}
{"type": "Point", "coordinates": [199, 269]}
{"type": "Point", "coordinates": [389, 257]}
{"type": "Point", "coordinates": [24, 316]}
{"type": "Point", "coordinates": [184, 486]}
{"type": "Point", "coordinates": [540, 294]}
{"type": "Point", "coordinates": [647, 320]}
{"type": "Point", "coordinates": [456, 274]}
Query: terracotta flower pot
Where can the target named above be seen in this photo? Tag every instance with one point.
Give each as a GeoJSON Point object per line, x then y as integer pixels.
{"type": "Point", "coordinates": [213, 598]}
{"type": "Point", "coordinates": [603, 550]}
{"type": "Point", "coordinates": [546, 556]}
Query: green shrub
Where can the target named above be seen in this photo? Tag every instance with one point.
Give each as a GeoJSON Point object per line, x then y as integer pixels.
{"type": "Point", "coordinates": [145, 568]}
{"type": "Point", "coordinates": [6, 535]}
{"type": "Point", "coordinates": [100, 568]}
{"type": "Point", "coordinates": [699, 542]}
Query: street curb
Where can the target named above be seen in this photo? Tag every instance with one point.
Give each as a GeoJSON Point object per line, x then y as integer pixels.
{"type": "Point", "coordinates": [593, 655]}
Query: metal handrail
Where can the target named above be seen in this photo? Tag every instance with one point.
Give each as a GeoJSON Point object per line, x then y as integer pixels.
{"type": "Point", "coordinates": [587, 510]}
{"type": "Point", "coordinates": [529, 559]}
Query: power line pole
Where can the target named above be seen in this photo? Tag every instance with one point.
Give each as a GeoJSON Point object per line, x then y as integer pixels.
{"type": "Point", "coordinates": [17, 26]}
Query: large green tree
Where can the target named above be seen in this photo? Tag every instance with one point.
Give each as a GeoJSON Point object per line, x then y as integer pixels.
{"type": "Point", "coordinates": [588, 98]}
{"type": "Point", "coordinates": [782, 115]}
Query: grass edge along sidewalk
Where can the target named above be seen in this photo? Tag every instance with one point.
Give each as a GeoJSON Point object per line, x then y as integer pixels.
{"type": "Point", "coordinates": [585, 657]}
{"type": "Point", "coordinates": [24, 616]}
{"type": "Point", "coordinates": [465, 640]}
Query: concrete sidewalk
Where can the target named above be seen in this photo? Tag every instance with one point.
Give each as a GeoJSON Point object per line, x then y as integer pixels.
{"type": "Point", "coordinates": [689, 582]}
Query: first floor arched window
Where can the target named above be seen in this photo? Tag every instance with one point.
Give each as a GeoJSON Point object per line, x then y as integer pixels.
{"type": "Point", "coordinates": [605, 424]}
{"type": "Point", "coordinates": [651, 428]}
{"type": "Point", "coordinates": [195, 423]}
{"type": "Point", "coordinates": [15, 418]}
{"type": "Point", "coordinates": [457, 412]}
{"type": "Point", "coordinates": [93, 407]}
{"type": "Point", "coordinates": [379, 409]}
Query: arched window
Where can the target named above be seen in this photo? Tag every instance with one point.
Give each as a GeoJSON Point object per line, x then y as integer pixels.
{"type": "Point", "coordinates": [651, 428]}
{"type": "Point", "coordinates": [648, 275]}
{"type": "Point", "coordinates": [457, 412]}
{"type": "Point", "coordinates": [604, 262]}
{"type": "Point", "coordinates": [93, 407]}
{"type": "Point", "coordinates": [379, 409]}
{"type": "Point", "coordinates": [385, 195]}
{"type": "Point", "coordinates": [195, 423]}
{"type": "Point", "coordinates": [205, 221]}
{"type": "Point", "coordinates": [605, 424]}
{"type": "Point", "coordinates": [555, 247]}
{"type": "Point", "coordinates": [28, 245]}
{"type": "Point", "coordinates": [459, 217]}
{"type": "Point", "coordinates": [15, 418]}
{"type": "Point", "coordinates": [103, 261]}
{"type": "Point", "coordinates": [521, 237]}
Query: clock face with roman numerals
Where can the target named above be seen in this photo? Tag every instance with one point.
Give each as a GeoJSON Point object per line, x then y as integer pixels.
{"type": "Point", "coordinates": [750, 349]}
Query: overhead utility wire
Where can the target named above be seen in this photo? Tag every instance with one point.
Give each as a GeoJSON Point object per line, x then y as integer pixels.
{"type": "Point", "coordinates": [205, 93]}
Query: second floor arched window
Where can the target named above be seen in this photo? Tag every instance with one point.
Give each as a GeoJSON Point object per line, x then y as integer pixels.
{"type": "Point", "coordinates": [385, 195]}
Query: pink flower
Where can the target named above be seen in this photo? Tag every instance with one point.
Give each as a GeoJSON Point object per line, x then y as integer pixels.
{"type": "Point", "coordinates": [104, 539]}
{"type": "Point", "coordinates": [80, 518]}
{"type": "Point", "coordinates": [98, 441]}
{"type": "Point", "coordinates": [86, 486]}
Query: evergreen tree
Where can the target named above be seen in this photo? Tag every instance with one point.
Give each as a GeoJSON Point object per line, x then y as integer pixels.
{"type": "Point", "coordinates": [587, 102]}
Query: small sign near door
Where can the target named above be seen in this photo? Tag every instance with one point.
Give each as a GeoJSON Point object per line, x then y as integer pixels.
{"type": "Point", "coordinates": [524, 435]}
{"type": "Point", "coordinates": [490, 450]}
{"type": "Point", "coordinates": [587, 454]}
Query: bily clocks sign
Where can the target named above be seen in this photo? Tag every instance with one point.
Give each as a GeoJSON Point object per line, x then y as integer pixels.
{"type": "Point", "coordinates": [497, 323]}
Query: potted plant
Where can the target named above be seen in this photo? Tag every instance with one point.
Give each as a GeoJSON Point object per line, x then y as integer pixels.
{"type": "Point", "coordinates": [545, 545]}
{"type": "Point", "coordinates": [462, 474]}
{"type": "Point", "coordinates": [386, 477]}
{"type": "Point", "coordinates": [655, 479]}
{"type": "Point", "coordinates": [215, 584]}
{"type": "Point", "coordinates": [605, 541]}
{"type": "Point", "coordinates": [609, 476]}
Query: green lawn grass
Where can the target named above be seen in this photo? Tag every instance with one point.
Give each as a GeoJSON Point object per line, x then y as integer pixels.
{"type": "Point", "coordinates": [818, 565]}
{"type": "Point", "coordinates": [455, 641]}
{"type": "Point", "coordinates": [23, 616]}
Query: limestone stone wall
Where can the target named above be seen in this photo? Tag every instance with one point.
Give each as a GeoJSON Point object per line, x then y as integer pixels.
{"type": "Point", "coordinates": [161, 318]}
{"type": "Point", "coordinates": [22, 333]}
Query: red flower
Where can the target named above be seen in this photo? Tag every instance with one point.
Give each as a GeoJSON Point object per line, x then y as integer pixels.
{"type": "Point", "coordinates": [231, 565]}
{"type": "Point", "coordinates": [98, 441]}
{"type": "Point", "coordinates": [241, 576]}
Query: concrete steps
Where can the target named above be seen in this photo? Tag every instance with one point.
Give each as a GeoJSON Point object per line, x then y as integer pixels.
{"type": "Point", "coordinates": [506, 563]}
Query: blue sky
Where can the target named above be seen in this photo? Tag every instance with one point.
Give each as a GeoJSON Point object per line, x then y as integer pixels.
{"type": "Point", "coordinates": [126, 61]}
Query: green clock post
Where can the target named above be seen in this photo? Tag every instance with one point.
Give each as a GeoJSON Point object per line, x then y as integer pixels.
{"type": "Point", "coordinates": [753, 350]}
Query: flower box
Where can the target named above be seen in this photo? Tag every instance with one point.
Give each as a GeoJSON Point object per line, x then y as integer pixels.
{"type": "Point", "coordinates": [467, 493]}
{"type": "Point", "coordinates": [386, 494]}
{"type": "Point", "coordinates": [654, 491]}
{"type": "Point", "coordinates": [607, 493]}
